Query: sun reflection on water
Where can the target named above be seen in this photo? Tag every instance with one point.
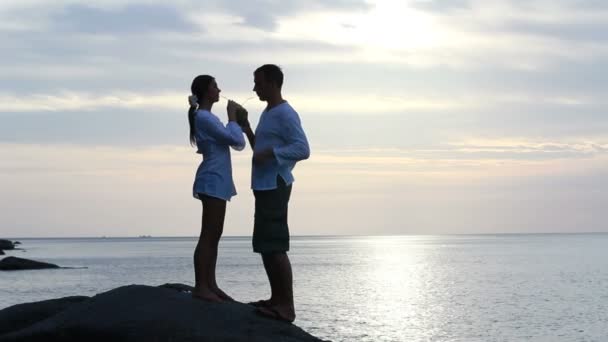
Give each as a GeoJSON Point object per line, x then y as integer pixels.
{"type": "Point", "coordinates": [394, 283]}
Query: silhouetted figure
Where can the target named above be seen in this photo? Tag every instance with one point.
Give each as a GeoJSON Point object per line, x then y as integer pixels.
{"type": "Point", "coordinates": [213, 184]}
{"type": "Point", "coordinates": [278, 143]}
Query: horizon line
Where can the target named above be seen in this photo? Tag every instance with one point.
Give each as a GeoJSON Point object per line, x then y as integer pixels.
{"type": "Point", "coordinates": [303, 236]}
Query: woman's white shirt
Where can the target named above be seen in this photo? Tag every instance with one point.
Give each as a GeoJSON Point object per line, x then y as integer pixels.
{"type": "Point", "coordinates": [213, 140]}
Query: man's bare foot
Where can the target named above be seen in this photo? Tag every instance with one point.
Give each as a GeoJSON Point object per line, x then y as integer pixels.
{"type": "Point", "coordinates": [222, 295]}
{"type": "Point", "coordinates": [206, 295]}
{"type": "Point", "coordinates": [280, 313]}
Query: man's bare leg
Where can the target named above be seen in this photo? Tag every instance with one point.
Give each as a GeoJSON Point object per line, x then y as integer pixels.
{"type": "Point", "coordinates": [278, 270]}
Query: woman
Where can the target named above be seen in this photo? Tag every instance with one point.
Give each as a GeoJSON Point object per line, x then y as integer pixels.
{"type": "Point", "coordinates": [213, 184]}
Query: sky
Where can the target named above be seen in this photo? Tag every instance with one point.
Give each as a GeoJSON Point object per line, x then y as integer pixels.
{"type": "Point", "coordinates": [423, 116]}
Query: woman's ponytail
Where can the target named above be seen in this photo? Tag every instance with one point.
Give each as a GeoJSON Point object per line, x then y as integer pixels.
{"type": "Point", "coordinates": [191, 113]}
{"type": "Point", "coordinates": [199, 87]}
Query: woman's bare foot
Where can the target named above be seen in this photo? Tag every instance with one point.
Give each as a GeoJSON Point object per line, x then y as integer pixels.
{"type": "Point", "coordinates": [222, 295]}
{"type": "Point", "coordinates": [206, 295]}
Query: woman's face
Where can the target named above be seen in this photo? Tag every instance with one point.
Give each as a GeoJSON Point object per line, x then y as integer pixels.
{"type": "Point", "coordinates": [213, 92]}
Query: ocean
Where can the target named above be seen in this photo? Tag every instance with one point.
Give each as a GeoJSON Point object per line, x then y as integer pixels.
{"type": "Point", "coordinates": [529, 287]}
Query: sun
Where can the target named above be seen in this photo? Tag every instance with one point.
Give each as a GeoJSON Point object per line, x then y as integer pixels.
{"type": "Point", "coordinates": [393, 25]}
{"type": "Point", "coordinates": [389, 25]}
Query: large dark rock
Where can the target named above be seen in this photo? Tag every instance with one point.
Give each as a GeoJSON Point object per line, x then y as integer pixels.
{"type": "Point", "coordinates": [13, 264]}
{"type": "Point", "coordinates": [145, 313]}
{"type": "Point", "coordinates": [6, 244]}
{"type": "Point", "coordinates": [21, 316]}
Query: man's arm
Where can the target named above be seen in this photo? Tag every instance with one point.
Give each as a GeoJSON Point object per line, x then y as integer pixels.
{"type": "Point", "coordinates": [296, 147]}
{"type": "Point", "coordinates": [250, 135]}
{"type": "Point", "coordinates": [243, 121]}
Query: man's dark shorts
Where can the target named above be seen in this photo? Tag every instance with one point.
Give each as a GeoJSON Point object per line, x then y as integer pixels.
{"type": "Point", "coordinates": [270, 230]}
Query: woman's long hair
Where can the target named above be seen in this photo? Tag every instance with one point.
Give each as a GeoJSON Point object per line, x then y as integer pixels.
{"type": "Point", "coordinates": [199, 87]}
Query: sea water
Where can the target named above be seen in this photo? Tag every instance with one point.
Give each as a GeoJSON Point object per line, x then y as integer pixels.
{"type": "Point", "coordinates": [545, 287]}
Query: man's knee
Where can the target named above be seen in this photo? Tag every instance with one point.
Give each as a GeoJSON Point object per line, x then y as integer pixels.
{"type": "Point", "coordinates": [274, 256]}
{"type": "Point", "coordinates": [277, 254]}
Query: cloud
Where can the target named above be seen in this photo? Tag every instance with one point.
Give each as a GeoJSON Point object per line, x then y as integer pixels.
{"type": "Point", "coordinates": [113, 188]}
{"type": "Point", "coordinates": [265, 14]}
{"type": "Point", "coordinates": [135, 18]}
{"type": "Point", "coordinates": [596, 5]}
{"type": "Point", "coordinates": [446, 92]}
{"type": "Point", "coordinates": [441, 5]}
{"type": "Point", "coordinates": [529, 149]}
{"type": "Point", "coordinates": [369, 120]}
{"type": "Point", "coordinates": [154, 15]}
{"type": "Point", "coordinates": [72, 101]}
{"type": "Point", "coordinates": [213, 40]}
{"type": "Point", "coordinates": [340, 103]}
{"type": "Point", "coordinates": [587, 27]}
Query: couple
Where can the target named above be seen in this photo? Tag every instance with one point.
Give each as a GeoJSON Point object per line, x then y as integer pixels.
{"type": "Point", "coordinates": [278, 143]}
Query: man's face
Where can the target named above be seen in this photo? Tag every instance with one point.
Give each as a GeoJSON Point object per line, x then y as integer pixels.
{"type": "Point", "coordinates": [260, 86]}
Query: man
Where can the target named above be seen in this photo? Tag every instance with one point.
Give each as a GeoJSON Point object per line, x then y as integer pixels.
{"type": "Point", "coordinates": [278, 143]}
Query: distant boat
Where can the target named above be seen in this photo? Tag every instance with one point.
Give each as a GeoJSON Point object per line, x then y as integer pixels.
{"type": "Point", "coordinates": [144, 236]}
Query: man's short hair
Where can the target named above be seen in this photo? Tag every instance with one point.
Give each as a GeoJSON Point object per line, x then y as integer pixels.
{"type": "Point", "coordinates": [272, 73]}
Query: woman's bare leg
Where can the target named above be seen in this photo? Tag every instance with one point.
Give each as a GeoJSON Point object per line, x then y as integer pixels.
{"type": "Point", "coordinates": [212, 280]}
{"type": "Point", "coordinates": [205, 253]}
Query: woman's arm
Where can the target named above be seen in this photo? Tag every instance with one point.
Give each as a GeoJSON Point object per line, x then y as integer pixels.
{"type": "Point", "coordinates": [231, 134]}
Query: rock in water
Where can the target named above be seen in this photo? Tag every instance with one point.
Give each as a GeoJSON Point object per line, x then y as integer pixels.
{"type": "Point", "coordinates": [6, 244]}
{"type": "Point", "coordinates": [13, 264]}
{"type": "Point", "coordinates": [145, 313]}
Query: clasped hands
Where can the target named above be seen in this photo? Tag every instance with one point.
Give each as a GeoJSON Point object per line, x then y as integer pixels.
{"type": "Point", "coordinates": [237, 113]}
